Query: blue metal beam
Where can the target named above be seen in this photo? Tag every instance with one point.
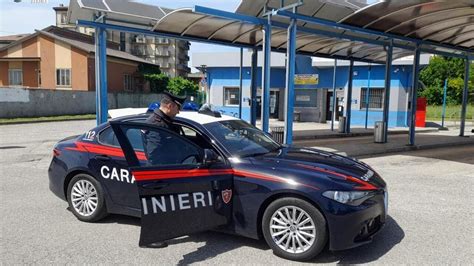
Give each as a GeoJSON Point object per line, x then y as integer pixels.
{"type": "Point", "coordinates": [241, 71]}
{"type": "Point", "coordinates": [388, 79]}
{"type": "Point", "coordinates": [290, 82]}
{"type": "Point", "coordinates": [228, 15]}
{"type": "Point", "coordinates": [101, 75]}
{"type": "Point", "coordinates": [253, 88]}
{"type": "Point", "coordinates": [465, 97]}
{"type": "Point", "coordinates": [414, 88]}
{"type": "Point", "coordinates": [333, 24]}
{"type": "Point", "coordinates": [158, 33]}
{"type": "Point", "coordinates": [349, 97]}
{"type": "Point", "coordinates": [334, 96]}
{"type": "Point", "coordinates": [267, 44]}
{"type": "Point", "coordinates": [339, 57]}
{"type": "Point", "coordinates": [367, 97]}
{"type": "Point", "coordinates": [97, 77]}
{"type": "Point", "coordinates": [433, 51]}
{"type": "Point", "coordinates": [334, 34]}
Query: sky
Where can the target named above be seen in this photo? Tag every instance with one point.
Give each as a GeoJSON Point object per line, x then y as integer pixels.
{"type": "Point", "coordinates": [26, 16]}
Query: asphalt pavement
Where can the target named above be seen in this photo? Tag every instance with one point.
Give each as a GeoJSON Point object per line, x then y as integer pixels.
{"type": "Point", "coordinates": [431, 220]}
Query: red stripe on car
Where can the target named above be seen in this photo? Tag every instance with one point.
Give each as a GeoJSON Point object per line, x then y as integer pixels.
{"type": "Point", "coordinates": [364, 185]}
{"type": "Point", "coordinates": [101, 149]}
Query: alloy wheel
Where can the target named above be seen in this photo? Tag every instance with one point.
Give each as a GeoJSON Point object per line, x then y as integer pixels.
{"type": "Point", "coordinates": [84, 197]}
{"type": "Point", "coordinates": [292, 229]}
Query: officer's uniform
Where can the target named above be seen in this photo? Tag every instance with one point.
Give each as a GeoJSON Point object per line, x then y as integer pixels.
{"type": "Point", "coordinates": [158, 149]}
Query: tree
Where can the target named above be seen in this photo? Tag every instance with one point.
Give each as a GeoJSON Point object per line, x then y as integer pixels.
{"type": "Point", "coordinates": [158, 82]}
{"type": "Point", "coordinates": [433, 76]}
{"type": "Point", "coordinates": [182, 86]}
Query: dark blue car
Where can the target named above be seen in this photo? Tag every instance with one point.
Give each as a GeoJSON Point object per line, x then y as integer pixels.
{"type": "Point", "coordinates": [222, 174]}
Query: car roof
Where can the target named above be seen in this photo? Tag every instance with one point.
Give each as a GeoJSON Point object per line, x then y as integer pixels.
{"type": "Point", "coordinates": [127, 113]}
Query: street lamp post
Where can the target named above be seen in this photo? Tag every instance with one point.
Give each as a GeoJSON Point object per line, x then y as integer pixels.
{"type": "Point", "coordinates": [206, 83]}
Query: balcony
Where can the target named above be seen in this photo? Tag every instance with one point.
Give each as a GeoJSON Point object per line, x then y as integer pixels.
{"type": "Point", "coordinates": [139, 39]}
{"type": "Point", "coordinates": [184, 67]}
{"type": "Point", "coordinates": [160, 53]}
{"type": "Point", "coordinates": [184, 57]}
{"type": "Point", "coordinates": [165, 65]}
{"type": "Point", "coordinates": [162, 41]}
{"type": "Point", "coordinates": [184, 45]}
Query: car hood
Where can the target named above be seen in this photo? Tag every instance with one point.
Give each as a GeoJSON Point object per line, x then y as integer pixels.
{"type": "Point", "coordinates": [313, 165]}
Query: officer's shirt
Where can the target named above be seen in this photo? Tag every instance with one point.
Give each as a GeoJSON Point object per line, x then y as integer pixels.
{"type": "Point", "coordinates": [160, 148]}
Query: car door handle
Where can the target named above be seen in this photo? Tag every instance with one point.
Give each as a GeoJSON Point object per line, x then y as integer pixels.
{"type": "Point", "coordinates": [154, 185]}
{"type": "Point", "coordinates": [102, 157]}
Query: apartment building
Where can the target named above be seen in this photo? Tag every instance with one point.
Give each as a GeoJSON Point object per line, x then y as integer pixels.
{"type": "Point", "coordinates": [170, 54]}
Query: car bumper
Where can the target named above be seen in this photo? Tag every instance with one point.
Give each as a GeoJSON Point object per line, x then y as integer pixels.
{"type": "Point", "coordinates": [352, 226]}
{"type": "Point", "coordinates": [56, 175]}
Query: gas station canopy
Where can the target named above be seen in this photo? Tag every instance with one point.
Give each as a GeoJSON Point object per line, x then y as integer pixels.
{"type": "Point", "coordinates": [327, 28]}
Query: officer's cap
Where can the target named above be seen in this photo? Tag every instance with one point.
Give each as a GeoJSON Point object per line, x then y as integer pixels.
{"type": "Point", "coordinates": [176, 99]}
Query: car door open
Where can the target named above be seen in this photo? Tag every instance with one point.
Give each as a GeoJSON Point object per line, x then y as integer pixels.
{"type": "Point", "coordinates": [179, 193]}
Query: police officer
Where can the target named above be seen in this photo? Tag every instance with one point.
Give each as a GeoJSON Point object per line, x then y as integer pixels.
{"type": "Point", "coordinates": [157, 150]}
{"type": "Point", "coordinates": [163, 117]}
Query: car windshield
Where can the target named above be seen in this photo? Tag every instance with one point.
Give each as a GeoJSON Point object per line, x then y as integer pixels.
{"type": "Point", "coordinates": [242, 139]}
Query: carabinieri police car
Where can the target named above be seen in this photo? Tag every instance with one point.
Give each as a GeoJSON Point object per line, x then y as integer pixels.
{"type": "Point", "coordinates": [225, 175]}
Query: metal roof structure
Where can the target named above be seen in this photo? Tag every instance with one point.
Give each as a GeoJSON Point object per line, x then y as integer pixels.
{"type": "Point", "coordinates": [440, 26]}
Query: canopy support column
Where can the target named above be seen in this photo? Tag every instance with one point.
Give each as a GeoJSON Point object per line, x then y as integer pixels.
{"type": "Point", "coordinates": [290, 81]}
{"type": "Point", "coordinates": [349, 97]}
{"type": "Point", "coordinates": [253, 88]}
{"type": "Point", "coordinates": [414, 88]}
{"type": "Point", "coordinates": [388, 78]}
{"type": "Point", "coordinates": [334, 97]}
{"type": "Point", "coordinates": [267, 48]}
{"type": "Point", "coordinates": [241, 71]}
{"type": "Point", "coordinates": [465, 96]}
{"type": "Point", "coordinates": [101, 75]}
{"type": "Point", "coordinates": [367, 97]}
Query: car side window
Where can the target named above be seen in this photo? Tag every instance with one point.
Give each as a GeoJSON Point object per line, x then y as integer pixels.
{"type": "Point", "coordinates": [164, 147]}
{"type": "Point", "coordinates": [107, 137]}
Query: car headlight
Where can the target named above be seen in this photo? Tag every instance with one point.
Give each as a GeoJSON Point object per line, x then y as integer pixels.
{"type": "Point", "coordinates": [353, 198]}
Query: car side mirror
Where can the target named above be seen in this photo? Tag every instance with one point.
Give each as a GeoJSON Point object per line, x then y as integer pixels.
{"type": "Point", "coordinates": [210, 156]}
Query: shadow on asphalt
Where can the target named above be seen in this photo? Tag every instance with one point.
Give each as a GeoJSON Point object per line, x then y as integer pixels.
{"type": "Point", "coordinates": [217, 243]}
{"type": "Point", "coordinates": [390, 236]}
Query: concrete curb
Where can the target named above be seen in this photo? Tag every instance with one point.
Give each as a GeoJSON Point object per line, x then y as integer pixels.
{"type": "Point", "coordinates": [409, 148]}
{"type": "Point", "coordinates": [360, 134]}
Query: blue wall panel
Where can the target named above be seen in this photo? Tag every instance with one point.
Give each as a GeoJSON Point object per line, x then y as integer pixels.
{"type": "Point", "coordinates": [401, 80]}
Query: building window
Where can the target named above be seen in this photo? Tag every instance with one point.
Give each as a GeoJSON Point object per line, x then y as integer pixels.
{"type": "Point", "coordinates": [376, 96]}
{"type": "Point", "coordinates": [15, 77]}
{"type": "Point", "coordinates": [231, 96]}
{"type": "Point", "coordinates": [63, 77]}
{"type": "Point", "coordinates": [127, 82]}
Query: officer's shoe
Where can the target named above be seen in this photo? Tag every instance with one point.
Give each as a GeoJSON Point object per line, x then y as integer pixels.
{"type": "Point", "coordinates": [155, 245]}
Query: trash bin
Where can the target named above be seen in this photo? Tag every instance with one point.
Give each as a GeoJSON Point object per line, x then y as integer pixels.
{"type": "Point", "coordinates": [379, 133]}
{"type": "Point", "coordinates": [342, 124]}
{"type": "Point", "coordinates": [277, 134]}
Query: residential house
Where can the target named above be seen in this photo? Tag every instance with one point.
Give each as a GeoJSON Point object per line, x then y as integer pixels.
{"type": "Point", "coordinates": [60, 59]}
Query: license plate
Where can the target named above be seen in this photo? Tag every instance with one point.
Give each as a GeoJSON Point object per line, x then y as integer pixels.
{"type": "Point", "coordinates": [385, 202]}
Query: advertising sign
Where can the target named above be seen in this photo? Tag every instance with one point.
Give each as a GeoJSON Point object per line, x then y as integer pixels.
{"type": "Point", "coordinates": [306, 79]}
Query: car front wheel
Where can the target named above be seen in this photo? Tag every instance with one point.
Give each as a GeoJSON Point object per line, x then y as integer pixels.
{"type": "Point", "coordinates": [86, 199]}
{"type": "Point", "coordinates": [294, 229]}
